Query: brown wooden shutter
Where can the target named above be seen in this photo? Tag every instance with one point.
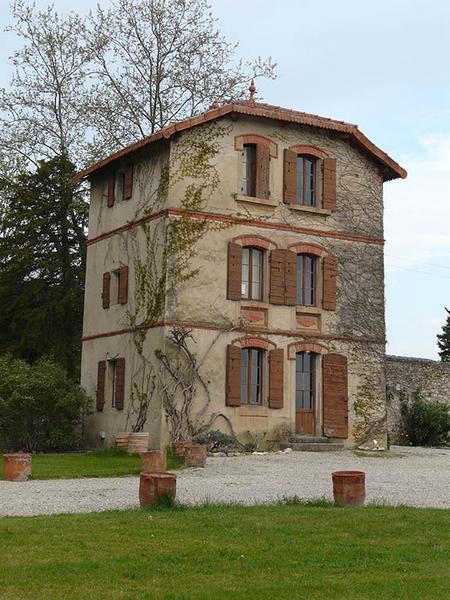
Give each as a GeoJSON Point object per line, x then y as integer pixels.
{"type": "Point", "coordinates": [335, 395]}
{"type": "Point", "coordinates": [128, 183]}
{"type": "Point", "coordinates": [123, 285]}
{"type": "Point", "coordinates": [290, 278]}
{"type": "Point", "coordinates": [329, 184]}
{"type": "Point", "coordinates": [111, 191]}
{"type": "Point", "coordinates": [277, 275]}
{"type": "Point", "coordinates": [120, 382]}
{"type": "Point", "coordinates": [234, 271]}
{"type": "Point", "coordinates": [106, 294]}
{"type": "Point", "coordinates": [262, 171]}
{"type": "Point", "coordinates": [329, 283]}
{"type": "Point", "coordinates": [290, 177]}
{"type": "Point", "coordinates": [276, 378]}
{"type": "Point", "coordinates": [233, 383]}
{"type": "Point", "coordinates": [100, 393]}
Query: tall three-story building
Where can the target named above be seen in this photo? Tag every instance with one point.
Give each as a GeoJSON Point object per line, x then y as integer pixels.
{"type": "Point", "coordinates": [287, 307]}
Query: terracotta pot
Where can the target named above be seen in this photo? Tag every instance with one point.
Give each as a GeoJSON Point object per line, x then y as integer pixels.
{"type": "Point", "coordinates": [138, 443]}
{"type": "Point", "coordinates": [154, 461]}
{"type": "Point", "coordinates": [180, 447]}
{"type": "Point", "coordinates": [122, 440]}
{"type": "Point", "coordinates": [16, 467]}
{"type": "Point", "coordinates": [195, 455]}
{"type": "Point", "coordinates": [349, 487]}
{"type": "Point", "coordinates": [156, 486]}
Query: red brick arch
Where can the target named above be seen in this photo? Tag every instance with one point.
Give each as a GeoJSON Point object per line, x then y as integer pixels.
{"type": "Point", "coordinates": [254, 138]}
{"type": "Point", "coordinates": [305, 347]}
{"type": "Point", "coordinates": [314, 249]}
{"type": "Point", "coordinates": [310, 150]}
{"type": "Point", "coordinates": [258, 241]}
{"type": "Point", "coordinates": [253, 342]}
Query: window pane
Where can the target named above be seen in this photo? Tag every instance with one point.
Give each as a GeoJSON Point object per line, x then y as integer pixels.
{"type": "Point", "coordinates": [299, 180]}
{"type": "Point", "coordinates": [309, 280]}
{"type": "Point", "coordinates": [256, 274]}
{"type": "Point", "coordinates": [309, 182]}
{"type": "Point", "coordinates": [249, 170]}
{"type": "Point", "coordinates": [245, 273]}
{"type": "Point", "coordinates": [299, 278]}
{"type": "Point", "coordinates": [304, 380]}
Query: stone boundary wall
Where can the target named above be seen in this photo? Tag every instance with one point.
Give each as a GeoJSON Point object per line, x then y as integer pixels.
{"type": "Point", "coordinates": [405, 376]}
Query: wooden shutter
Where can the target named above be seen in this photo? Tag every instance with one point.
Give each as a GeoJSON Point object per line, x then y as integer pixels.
{"type": "Point", "coordinates": [277, 275]}
{"type": "Point", "coordinates": [233, 375]}
{"type": "Point", "coordinates": [276, 378]}
{"type": "Point", "coordinates": [128, 183]}
{"type": "Point", "coordinates": [329, 183]}
{"type": "Point", "coordinates": [290, 177]}
{"type": "Point", "coordinates": [120, 382]}
{"type": "Point", "coordinates": [290, 278]}
{"type": "Point", "coordinates": [234, 271]}
{"type": "Point", "coordinates": [335, 395]}
{"type": "Point", "coordinates": [329, 283]}
{"type": "Point", "coordinates": [111, 191]}
{"type": "Point", "coordinates": [262, 171]}
{"type": "Point", "coordinates": [100, 393]}
{"type": "Point", "coordinates": [123, 285]}
{"type": "Point", "coordinates": [106, 295]}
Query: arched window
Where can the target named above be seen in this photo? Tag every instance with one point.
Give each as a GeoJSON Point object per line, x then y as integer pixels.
{"type": "Point", "coordinates": [307, 174]}
{"type": "Point", "coordinates": [252, 273]}
{"type": "Point", "coordinates": [251, 375]}
{"type": "Point", "coordinates": [306, 279]}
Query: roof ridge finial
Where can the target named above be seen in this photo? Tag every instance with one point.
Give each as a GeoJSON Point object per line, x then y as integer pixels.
{"type": "Point", "coordinates": [252, 90]}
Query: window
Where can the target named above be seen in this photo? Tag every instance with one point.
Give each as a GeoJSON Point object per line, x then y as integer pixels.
{"type": "Point", "coordinates": [305, 380]}
{"type": "Point", "coordinates": [249, 170]}
{"type": "Point", "coordinates": [251, 375]}
{"type": "Point", "coordinates": [306, 180]}
{"type": "Point", "coordinates": [306, 279]}
{"type": "Point", "coordinates": [252, 273]}
{"type": "Point", "coordinates": [120, 186]}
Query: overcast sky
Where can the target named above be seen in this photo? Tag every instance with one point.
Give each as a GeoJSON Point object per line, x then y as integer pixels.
{"type": "Point", "coordinates": [382, 65]}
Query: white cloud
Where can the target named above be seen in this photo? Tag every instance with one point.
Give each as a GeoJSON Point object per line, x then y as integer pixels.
{"type": "Point", "coordinates": [417, 216]}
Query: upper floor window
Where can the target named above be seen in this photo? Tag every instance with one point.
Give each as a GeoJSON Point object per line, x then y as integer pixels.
{"type": "Point", "coordinates": [248, 187]}
{"type": "Point", "coordinates": [252, 273]}
{"type": "Point", "coordinates": [120, 185]}
{"type": "Point", "coordinates": [306, 279]}
{"type": "Point", "coordinates": [307, 175]}
{"type": "Point", "coordinates": [251, 375]}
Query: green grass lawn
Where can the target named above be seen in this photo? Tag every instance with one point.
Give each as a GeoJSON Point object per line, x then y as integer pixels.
{"type": "Point", "coordinates": [104, 463]}
{"type": "Point", "coordinates": [229, 552]}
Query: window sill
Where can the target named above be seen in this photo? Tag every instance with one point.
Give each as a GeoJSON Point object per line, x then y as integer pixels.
{"type": "Point", "coordinates": [254, 200]}
{"type": "Point", "coordinates": [311, 310]}
{"type": "Point", "coordinates": [310, 209]}
{"type": "Point", "coordinates": [254, 304]}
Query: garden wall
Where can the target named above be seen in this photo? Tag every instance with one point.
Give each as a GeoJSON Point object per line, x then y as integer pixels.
{"type": "Point", "coordinates": [407, 376]}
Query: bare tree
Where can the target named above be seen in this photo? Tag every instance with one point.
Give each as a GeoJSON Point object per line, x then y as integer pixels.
{"type": "Point", "coordinates": [158, 61]}
{"type": "Point", "coordinates": [44, 112]}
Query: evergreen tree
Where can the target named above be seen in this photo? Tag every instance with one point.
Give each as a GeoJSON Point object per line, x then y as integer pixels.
{"type": "Point", "coordinates": [444, 340]}
{"type": "Point", "coordinates": [42, 261]}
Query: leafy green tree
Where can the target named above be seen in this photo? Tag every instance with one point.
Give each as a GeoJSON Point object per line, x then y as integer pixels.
{"type": "Point", "coordinates": [444, 340]}
{"type": "Point", "coordinates": [41, 408]}
{"type": "Point", "coordinates": [42, 261]}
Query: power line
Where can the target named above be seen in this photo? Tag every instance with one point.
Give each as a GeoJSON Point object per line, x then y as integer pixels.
{"type": "Point", "coordinates": [417, 261]}
{"type": "Point", "coordinates": [417, 271]}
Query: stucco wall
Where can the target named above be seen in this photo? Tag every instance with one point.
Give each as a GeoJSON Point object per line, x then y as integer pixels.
{"type": "Point", "coordinates": [202, 301]}
{"type": "Point", "coordinates": [406, 376]}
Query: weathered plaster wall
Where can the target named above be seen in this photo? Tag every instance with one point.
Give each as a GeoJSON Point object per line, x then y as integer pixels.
{"type": "Point", "coordinates": [405, 377]}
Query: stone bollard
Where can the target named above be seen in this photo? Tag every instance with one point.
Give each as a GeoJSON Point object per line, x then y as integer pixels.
{"type": "Point", "coordinates": [349, 487]}
{"type": "Point", "coordinates": [154, 461]}
{"type": "Point", "coordinates": [195, 455]}
{"type": "Point", "coordinates": [154, 487]}
{"type": "Point", "coordinates": [16, 467]}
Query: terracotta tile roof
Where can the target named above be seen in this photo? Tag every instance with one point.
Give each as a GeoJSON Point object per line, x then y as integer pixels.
{"type": "Point", "coordinates": [392, 170]}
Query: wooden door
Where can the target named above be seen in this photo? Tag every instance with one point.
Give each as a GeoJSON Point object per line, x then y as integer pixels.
{"type": "Point", "coordinates": [305, 393]}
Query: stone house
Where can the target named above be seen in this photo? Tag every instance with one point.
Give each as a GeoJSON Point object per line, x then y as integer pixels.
{"type": "Point", "coordinates": [286, 309]}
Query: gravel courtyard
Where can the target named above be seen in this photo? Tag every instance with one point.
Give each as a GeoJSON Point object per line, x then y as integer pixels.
{"type": "Point", "coordinates": [411, 476]}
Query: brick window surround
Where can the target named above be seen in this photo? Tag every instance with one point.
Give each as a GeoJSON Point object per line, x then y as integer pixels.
{"type": "Point", "coordinates": [253, 138]}
{"type": "Point", "coordinates": [305, 347]}
{"type": "Point", "coordinates": [253, 342]}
